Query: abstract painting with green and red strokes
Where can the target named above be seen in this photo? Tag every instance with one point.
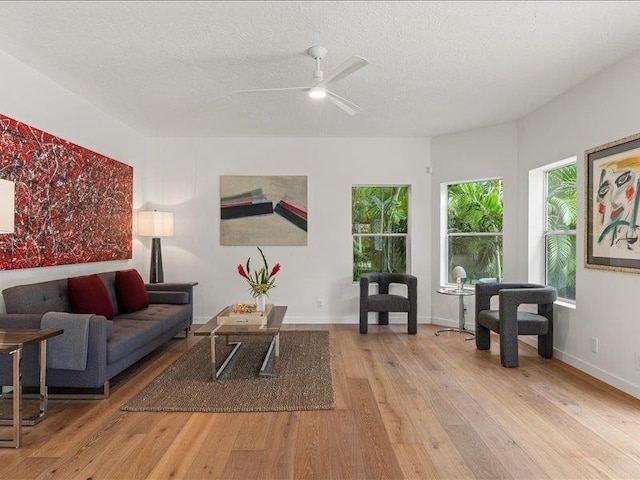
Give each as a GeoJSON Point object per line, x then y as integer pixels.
{"type": "Point", "coordinates": [72, 205]}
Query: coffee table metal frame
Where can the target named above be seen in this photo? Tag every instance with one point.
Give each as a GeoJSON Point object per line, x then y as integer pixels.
{"type": "Point", "coordinates": [272, 327]}
{"type": "Point", "coordinates": [461, 320]}
{"type": "Point", "coordinates": [12, 342]}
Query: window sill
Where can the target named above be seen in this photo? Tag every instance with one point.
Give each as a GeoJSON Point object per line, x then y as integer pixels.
{"type": "Point", "coordinates": [566, 304]}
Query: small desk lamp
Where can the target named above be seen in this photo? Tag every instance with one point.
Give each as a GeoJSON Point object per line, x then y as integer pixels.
{"type": "Point", "coordinates": [7, 206]}
{"type": "Point", "coordinates": [459, 274]}
{"type": "Point", "coordinates": [155, 224]}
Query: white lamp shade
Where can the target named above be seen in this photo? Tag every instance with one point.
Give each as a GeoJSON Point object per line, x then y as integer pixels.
{"type": "Point", "coordinates": [7, 206]}
{"type": "Point", "coordinates": [155, 224]}
{"type": "Point", "coordinates": [458, 272]}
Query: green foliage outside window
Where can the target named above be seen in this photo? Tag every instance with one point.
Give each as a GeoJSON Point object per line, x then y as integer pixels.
{"type": "Point", "coordinates": [560, 242]}
{"type": "Point", "coordinates": [379, 229]}
{"type": "Point", "coordinates": [475, 208]}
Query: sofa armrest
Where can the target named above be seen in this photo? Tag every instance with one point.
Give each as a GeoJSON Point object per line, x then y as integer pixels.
{"type": "Point", "coordinates": [173, 298]}
{"type": "Point", "coordinates": [95, 374]}
{"type": "Point", "coordinates": [171, 287]}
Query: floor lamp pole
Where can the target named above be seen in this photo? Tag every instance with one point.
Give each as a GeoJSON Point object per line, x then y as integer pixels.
{"type": "Point", "coordinates": [156, 275]}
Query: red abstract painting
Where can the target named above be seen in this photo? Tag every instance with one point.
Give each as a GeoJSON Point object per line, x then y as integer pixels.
{"type": "Point", "coordinates": [73, 205]}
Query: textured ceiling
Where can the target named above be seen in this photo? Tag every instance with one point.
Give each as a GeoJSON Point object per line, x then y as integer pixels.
{"type": "Point", "coordinates": [171, 68]}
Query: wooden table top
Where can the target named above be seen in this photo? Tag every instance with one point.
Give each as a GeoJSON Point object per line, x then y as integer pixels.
{"type": "Point", "coordinates": [18, 338]}
{"type": "Point", "coordinates": [8, 348]}
{"type": "Point", "coordinates": [272, 327]}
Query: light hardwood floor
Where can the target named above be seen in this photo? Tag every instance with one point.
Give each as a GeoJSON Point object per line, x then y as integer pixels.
{"type": "Point", "coordinates": [406, 407]}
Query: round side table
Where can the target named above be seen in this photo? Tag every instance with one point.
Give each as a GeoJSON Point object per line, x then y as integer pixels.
{"type": "Point", "coordinates": [460, 294]}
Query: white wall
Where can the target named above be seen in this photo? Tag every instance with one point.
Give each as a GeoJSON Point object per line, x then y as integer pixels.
{"type": "Point", "coordinates": [184, 178]}
{"type": "Point", "coordinates": [600, 110]}
{"type": "Point", "coordinates": [29, 97]}
{"type": "Point", "coordinates": [490, 152]}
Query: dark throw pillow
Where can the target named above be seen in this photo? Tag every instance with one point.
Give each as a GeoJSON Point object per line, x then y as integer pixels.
{"type": "Point", "coordinates": [89, 295]}
{"type": "Point", "coordinates": [132, 294]}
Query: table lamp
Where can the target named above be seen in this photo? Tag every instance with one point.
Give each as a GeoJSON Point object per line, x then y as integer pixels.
{"type": "Point", "coordinates": [7, 206]}
{"type": "Point", "coordinates": [459, 274]}
{"type": "Point", "coordinates": [155, 224]}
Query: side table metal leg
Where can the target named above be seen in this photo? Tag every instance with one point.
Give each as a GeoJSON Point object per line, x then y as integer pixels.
{"type": "Point", "coordinates": [461, 321]}
{"type": "Point", "coordinates": [17, 397]}
{"type": "Point", "coordinates": [16, 441]}
{"type": "Point", "coordinates": [43, 381]}
{"type": "Point", "coordinates": [462, 329]}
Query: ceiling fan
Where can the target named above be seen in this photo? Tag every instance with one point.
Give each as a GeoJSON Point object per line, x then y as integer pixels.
{"type": "Point", "coordinates": [318, 87]}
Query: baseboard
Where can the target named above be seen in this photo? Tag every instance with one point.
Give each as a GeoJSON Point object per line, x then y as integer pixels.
{"type": "Point", "coordinates": [597, 372]}
{"type": "Point", "coordinates": [330, 320]}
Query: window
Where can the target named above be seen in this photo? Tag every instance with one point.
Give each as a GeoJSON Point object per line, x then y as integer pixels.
{"type": "Point", "coordinates": [474, 229]}
{"type": "Point", "coordinates": [560, 230]}
{"type": "Point", "coordinates": [379, 228]}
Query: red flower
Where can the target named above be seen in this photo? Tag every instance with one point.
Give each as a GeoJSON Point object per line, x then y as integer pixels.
{"type": "Point", "coordinates": [275, 270]}
{"type": "Point", "coordinates": [242, 272]}
{"type": "Point", "coordinates": [260, 280]}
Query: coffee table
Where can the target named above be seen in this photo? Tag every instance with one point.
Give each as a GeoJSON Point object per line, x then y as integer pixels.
{"type": "Point", "coordinates": [214, 329]}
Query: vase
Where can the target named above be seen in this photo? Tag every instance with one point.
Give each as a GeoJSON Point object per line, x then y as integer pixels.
{"type": "Point", "coordinates": [261, 302]}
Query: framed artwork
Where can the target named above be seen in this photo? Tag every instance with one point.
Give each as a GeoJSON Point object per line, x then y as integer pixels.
{"type": "Point", "coordinates": [263, 210]}
{"type": "Point", "coordinates": [73, 205]}
{"type": "Point", "coordinates": [613, 206]}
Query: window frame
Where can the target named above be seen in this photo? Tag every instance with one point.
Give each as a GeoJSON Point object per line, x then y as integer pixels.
{"type": "Point", "coordinates": [547, 233]}
{"type": "Point", "coordinates": [384, 235]}
{"type": "Point", "coordinates": [444, 226]}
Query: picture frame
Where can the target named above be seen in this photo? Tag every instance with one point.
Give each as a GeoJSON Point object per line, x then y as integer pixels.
{"type": "Point", "coordinates": [266, 210]}
{"type": "Point", "coordinates": [612, 210]}
{"type": "Point", "coordinates": [61, 190]}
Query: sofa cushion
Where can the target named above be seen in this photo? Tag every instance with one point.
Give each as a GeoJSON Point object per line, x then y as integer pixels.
{"type": "Point", "coordinates": [388, 303]}
{"type": "Point", "coordinates": [169, 315]}
{"type": "Point", "coordinates": [132, 294]}
{"type": "Point", "coordinates": [89, 295]}
{"type": "Point", "coordinates": [41, 297]}
{"type": "Point", "coordinates": [130, 335]}
{"type": "Point", "coordinates": [528, 323]}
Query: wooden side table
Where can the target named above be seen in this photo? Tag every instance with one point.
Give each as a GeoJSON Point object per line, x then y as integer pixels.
{"type": "Point", "coordinates": [12, 342]}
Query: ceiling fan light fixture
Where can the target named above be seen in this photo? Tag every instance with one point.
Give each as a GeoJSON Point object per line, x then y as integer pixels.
{"type": "Point", "coordinates": [317, 92]}
{"type": "Point", "coordinates": [320, 83]}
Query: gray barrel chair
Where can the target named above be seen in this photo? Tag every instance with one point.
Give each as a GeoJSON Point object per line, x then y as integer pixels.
{"type": "Point", "coordinates": [383, 302]}
{"type": "Point", "coordinates": [509, 322]}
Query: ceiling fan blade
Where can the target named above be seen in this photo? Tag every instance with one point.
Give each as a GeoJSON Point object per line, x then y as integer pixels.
{"type": "Point", "coordinates": [349, 107]}
{"type": "Point", "coordinates": [261, 90]}
{"type": "Point", "coordinates": [352, 64]}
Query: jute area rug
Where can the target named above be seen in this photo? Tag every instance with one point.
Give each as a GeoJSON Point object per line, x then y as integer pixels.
{"type": "Point", "coordinates": [303, 381]}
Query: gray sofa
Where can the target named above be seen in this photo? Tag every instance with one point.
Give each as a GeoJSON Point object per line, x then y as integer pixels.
{"type": "Point", "coordinates": [113, 345]}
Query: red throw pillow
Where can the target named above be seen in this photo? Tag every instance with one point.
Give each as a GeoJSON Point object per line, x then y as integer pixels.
{"type": "Point", "coordinates": [89, 295]}
{"type": "Point", "coordinates": [132, 294]}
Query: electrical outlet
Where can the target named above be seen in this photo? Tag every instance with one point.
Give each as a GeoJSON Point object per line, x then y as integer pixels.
{"type": "Point", "coordinates": [320, 304]}
{"type": "Point", "coordinates": [637, 361]}
{"type": "Point", "coordinates": [594, 344]}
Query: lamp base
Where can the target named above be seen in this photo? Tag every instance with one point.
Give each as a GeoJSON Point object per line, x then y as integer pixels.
{"type": "Point", "coordinates": [156, 273]}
